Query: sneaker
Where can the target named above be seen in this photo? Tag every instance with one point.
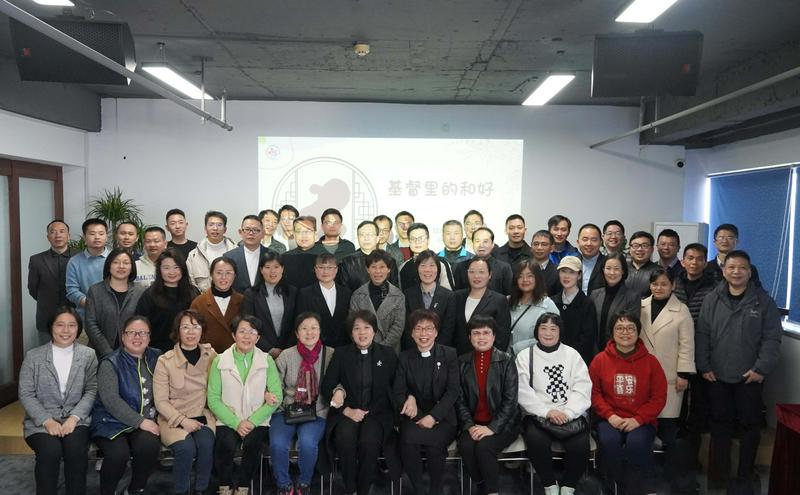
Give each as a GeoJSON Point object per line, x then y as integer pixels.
{"type": "Point", "coordinates": [302, 489]}
{"type": "Point", "coordinates": [224, 490]}
{"type": "Point", "coordinates": [286, 490]}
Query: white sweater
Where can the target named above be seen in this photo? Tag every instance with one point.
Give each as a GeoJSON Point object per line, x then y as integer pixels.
{"type": "Point", "coordinates": [560, 381]}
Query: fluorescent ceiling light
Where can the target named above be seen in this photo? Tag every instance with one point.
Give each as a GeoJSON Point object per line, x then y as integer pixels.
{"type": "Point", "coordinates": [548, 89]}
{"type": "Point", "coordinates": [58, 3]}
{"type": "Point", "coordinates": [170, 76]}
{"type": "Point", "coordinates": [644, 11]}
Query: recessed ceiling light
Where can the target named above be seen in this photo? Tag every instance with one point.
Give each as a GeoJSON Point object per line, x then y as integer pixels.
{"type": "Point", "coordinates": [644, 11]}
{"type": "Point", "coordinates": [171, 77]}
{"type": "Point", "coordinates": [55, 3]}
{"type": "Point", "coordinates": [548, 89]}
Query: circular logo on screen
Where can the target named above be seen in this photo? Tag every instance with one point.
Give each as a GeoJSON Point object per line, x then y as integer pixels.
{"type": "Point", "coordinates": [325, 182]}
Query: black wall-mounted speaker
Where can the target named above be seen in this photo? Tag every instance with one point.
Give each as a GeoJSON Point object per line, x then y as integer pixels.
{"type": "Point", "coordinates": [40, 58]}
{"type": "Point", "coordinates": [646, 64]}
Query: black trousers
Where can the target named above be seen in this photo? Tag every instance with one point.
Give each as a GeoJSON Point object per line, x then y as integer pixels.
{"type": "Point", "coordinates": [358, 446]}
{"type": "Point", "coordinates": [50, 450]}
{"type": "Point", "coordinates": [697, 414]}
{"type": "Point", "coordinates": [480, 458]}
{"type": "Point", "coordinates": [141, 447]}
{"type": "Point", "coordinates": [539, 444]}
{"type": "Point", "coordinates": [436, 456]}
{"type": "Point", "coordinates": [228, 441]}
{"type": "Point", "coordinates": [732, 403]}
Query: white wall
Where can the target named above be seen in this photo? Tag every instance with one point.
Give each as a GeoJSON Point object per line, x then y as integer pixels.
{"type": "Point", "coordinates": [164, 157]}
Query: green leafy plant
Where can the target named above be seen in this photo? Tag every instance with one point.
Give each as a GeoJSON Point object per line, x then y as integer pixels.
{"type": "Point", "coordinates": [114, 208]}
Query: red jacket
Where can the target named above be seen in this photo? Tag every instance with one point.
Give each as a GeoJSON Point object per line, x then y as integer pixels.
{"type": "Point", "coordinates": [630, 387]}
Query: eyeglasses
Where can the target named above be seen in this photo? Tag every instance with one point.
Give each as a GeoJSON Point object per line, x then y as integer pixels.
{"type": "Point", "coordinates": [226, 273]}
{"type": "Point", "coordinates": [425, 329]}
{"type": "Point", "coordinates": [625, 329]}
{"type": "Point", "coordinates": [247, 331]}
{"type": "Point", "coordinates": [527, 276]}
{"type": "Point", "coordinates": [419, 238]}
{"type": "Point", "coordinates": [385, 231]}
{"type": "Point", "coordinates": [215, 225]}
{"type": "Point", "coordinates": [137, 333]}
{"type": "Point", "coordinates": [191, 328]}
{"type": "Point", "coordinates": [251, 230]}
{"type": "Point", "coordinates": [644, 245]}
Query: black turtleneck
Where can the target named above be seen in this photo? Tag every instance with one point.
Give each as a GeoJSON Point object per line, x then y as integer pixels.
{"type": "Point", "coordinates": [192, 356]}
{"type": "Point", "coordinates": [377, 293]}
{"type": "Point", "coordinates": [548, 348]}
{"type": "Point", "coordinates": [221, 293]}
{"type": "Point", "coordinates": [611, 294]}
{"type": "Point", "coordinates": [656, 305]}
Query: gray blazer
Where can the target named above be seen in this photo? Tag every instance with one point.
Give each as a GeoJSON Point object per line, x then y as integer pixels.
{"type": "Point", "coordinates": [104, 316]}
{"type": "Point", "coordinates": [40, 394]}
{"type": "Point", "coordinates": [391, 315]}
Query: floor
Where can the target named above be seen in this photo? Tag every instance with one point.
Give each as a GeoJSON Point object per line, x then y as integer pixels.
{"type": "Point", "coordinates": [17, 464]}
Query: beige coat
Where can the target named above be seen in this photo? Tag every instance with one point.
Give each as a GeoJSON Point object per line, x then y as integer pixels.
{"type": "Point", "coordinates": [671, 340]}
{"type": "Point", "coordinates": [179, 391]}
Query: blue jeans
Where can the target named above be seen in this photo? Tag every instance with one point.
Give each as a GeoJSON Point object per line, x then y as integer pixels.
{"type": "Point", "coordinates": [199, 444]}
{"type": "Point", "coordinates": [280, 443]}
{"type": "Point", "coordinates": [634, 450]}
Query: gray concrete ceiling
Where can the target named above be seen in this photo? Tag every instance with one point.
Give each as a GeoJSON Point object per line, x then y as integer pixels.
{"type": "Point", "coordinates": [422, 51]}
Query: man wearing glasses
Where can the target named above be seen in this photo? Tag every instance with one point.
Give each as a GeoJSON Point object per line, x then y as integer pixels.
{"type": "Point", "coordinates": [246, 256]}
{"type": "Point", "coordinates": [328, 299]}
{"type": "Point", "coordinates": [418, 241]}
{"type": "Point", "coordinates": [641, 266]}
{"type": "Point", "coordinates": [614, 239]}
{"type": "Point", "coordinates": [402, 221]}
{"type": "Point", "coordinates": [298, 263]}
{"type": "Point", "coordinates": [214, 245]}
{"type": "Point", "coordinates": [331, 240]}
{"type": "Point", "coordinates": [726, 238]}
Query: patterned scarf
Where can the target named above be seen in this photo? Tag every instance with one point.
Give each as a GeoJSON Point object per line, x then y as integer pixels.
{"type": "Point", "coordinates": [307, 384]}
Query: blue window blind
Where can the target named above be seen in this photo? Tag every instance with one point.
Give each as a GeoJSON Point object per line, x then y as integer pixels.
{"type": "Point", "coordinates": [758, 203]}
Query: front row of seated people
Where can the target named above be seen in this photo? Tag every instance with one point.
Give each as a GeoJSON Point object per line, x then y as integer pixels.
{"type": "Point", "coordinates": [360, 401]}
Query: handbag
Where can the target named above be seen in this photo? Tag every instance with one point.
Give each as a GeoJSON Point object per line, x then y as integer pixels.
{"type": "Point", "coordinates": [295, 413]}
{"type": "Point", "coordinates": [560, 432]}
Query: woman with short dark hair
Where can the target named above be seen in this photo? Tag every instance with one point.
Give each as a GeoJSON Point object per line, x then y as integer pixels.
{"type": "Point", "coordinates": [180, 382]}
{"type": "Point", "coordinates": [554, 392]}
{"type": "Point", "coordinates": [112, 301]}
{"type": "Point", "coordinates": [629, 390]}
{"type": "Point", "coordinates": [124, 414]}
{"type": "Point", "coordinates": [244, 389]}
{"type": "Point", "coordinates": [383, 299]}
{"type": "Point", "coordinates": [300, 368]}
{"type": "Point", "coordinates": [487, 407]}
{"type": "Point", "coordinates": [425, 391]}
{"type": "Point", "coordinates": [358, 386]}
{"type": "Point", "coordinates": [57, 387]}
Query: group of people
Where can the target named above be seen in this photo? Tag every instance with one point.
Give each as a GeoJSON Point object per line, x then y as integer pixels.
{"type": "Point", "coordinates": [392, 350]}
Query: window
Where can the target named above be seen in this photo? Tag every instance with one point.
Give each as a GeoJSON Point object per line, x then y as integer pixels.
{"type": "Point", "coordinates": [763, 205]}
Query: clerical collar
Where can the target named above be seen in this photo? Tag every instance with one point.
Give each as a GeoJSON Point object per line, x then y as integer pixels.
{"type": "Point", "coordinates": [425, 354]}
{"type": "Point", "coordinates": [364, 351]}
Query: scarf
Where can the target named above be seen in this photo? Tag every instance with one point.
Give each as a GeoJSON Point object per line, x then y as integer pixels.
{"type": "Point", "coordinates": [307, 385]}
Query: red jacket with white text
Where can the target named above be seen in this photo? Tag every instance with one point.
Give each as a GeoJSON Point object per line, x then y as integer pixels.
{"type": "Point", "coordinates": [630, 387]}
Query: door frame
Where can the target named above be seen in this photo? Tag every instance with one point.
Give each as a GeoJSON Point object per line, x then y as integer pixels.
{"type": "Point", "coordinates": [14, 170]}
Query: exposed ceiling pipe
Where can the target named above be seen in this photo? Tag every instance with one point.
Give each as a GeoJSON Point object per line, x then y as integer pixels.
{"type": "Point", "coordinates": [34, 22]}
{"type": "Point", "coordinates": [708, 104]}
